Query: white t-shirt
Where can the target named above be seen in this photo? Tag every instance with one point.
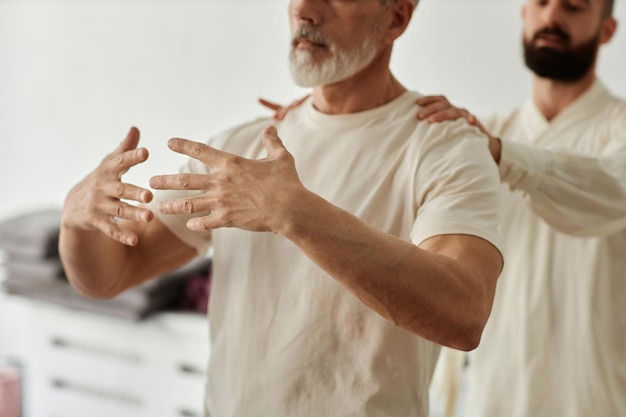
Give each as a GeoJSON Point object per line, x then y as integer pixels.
{"type": "Point", "coordinates": [555, 344]}
{"type": "Point", "coordinates": [286, 338]}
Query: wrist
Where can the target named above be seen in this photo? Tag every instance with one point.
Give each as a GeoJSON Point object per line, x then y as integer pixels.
{"type": "Point", "coordinates": [495, 147]}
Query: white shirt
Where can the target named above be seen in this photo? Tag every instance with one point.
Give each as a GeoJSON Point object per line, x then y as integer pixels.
{"type": "Point", "coordinates": [286, 338]}
{"type": "Point", "coordinates": [555, 343]}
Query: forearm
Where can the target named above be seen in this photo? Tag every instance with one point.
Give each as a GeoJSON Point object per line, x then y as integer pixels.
{"type": "Point", "coordinates": [576, 194]}
{"type": "Point", "coordinates": [425, 292]}
{"type": "Point", "coordinates": [93, 263]}
{"type": "Point", "coordinates": [84, 263]}
{"type": "Point", "coordinates": [99, 266]}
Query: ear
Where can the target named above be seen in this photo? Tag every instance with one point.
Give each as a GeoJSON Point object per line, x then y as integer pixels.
{"type": "Point", "coordinates": [609, 27]}
{"type": "Point", "coordinates": [401, 13]}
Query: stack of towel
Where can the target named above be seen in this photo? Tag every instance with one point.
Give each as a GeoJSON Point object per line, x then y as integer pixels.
{"type": "Point", "coordinates": [33, 269]}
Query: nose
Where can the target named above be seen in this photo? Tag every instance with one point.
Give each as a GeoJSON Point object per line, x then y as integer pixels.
{"type": "Point", "coordinates": [306, 11]}
{"type": "Point", "coordinates": [552, 14]}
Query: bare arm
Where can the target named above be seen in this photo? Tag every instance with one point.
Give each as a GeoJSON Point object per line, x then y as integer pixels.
{"type": "Point", "coordinates": [442, 290]}
{"type": "Point", "coordinates": [102, 256]}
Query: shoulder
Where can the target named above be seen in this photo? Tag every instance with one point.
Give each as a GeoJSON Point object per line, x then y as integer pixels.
{"type": "Point", "coordinates": [447, 136]}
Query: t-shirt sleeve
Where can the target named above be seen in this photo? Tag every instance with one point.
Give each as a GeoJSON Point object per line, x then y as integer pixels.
{"type": "Point", "coordinates": [457, 185]}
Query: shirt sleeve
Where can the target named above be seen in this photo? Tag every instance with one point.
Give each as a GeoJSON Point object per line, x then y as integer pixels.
{"type": "Point", "coordinates": [576, 194]}
{"type": "Point", "coordinates": [458, 188]}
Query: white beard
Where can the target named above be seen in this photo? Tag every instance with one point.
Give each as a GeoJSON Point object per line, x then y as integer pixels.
{"type": "Point", "coordinates": [342, 64]}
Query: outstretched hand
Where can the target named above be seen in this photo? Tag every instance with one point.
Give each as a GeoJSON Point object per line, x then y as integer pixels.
{"type": "Point", "coordinates": [281, 111]}
{"type": "Point", "coordinates": [96, 201]}
{"type": "Point", "coordinates": [248, 194]}
{"type": "Point", "coordinates": [436, 109]}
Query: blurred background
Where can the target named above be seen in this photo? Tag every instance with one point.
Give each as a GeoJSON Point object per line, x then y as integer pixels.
{"type": "Point", "coordinates": [75, 75]}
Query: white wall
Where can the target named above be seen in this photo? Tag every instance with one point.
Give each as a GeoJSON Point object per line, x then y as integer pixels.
{"type": "Point", "coordinates": [75, 75]}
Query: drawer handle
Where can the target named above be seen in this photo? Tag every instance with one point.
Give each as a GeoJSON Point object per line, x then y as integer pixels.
{"type": "Point", "coordinates": [191, 370]}
{"type": "Point", "coordinates": [94, 349]}
{"type": "Point", "coordinates": [86, 389]}
{"type": "Point", "coordinates": [185, 412]}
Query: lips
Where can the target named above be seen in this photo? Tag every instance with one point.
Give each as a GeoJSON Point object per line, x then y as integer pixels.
{"type": "Point", "coordinates": [551, 37]}
{"type": "Point", "coordinates": [308, 43]}
{"type": "Point", "coordinates": [309, 37]}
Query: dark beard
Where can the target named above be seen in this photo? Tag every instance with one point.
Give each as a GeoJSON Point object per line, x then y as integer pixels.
{"type": "Point", "coordinates": [567, 65]}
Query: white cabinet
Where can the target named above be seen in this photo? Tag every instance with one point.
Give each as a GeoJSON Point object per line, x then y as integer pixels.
{"type": "Point", "coordinates": [84, 364]}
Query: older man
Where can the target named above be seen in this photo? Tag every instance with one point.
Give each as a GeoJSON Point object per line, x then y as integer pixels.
{"type": "Point", "coordinates": [344, 254]}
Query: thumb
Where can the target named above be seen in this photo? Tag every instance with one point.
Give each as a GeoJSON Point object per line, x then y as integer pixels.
{"type": "Point", "coordinates": [273, 144]}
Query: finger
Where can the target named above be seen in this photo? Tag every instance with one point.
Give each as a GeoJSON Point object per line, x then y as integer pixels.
{"type": "Point", "coordinates": [280, 114]}
{"type": "Point", "coordinates": [112, 208]}
{"type": "Point", "coordinates": [179, 182]}
{"type": "Point", "coordinates": [299, 102]}
{"type": "Point", "coordinates": [204, 223]}
{"type": "Point", "coordinates": [426, 100]}
{"type": "Point", "coordinates": [270, 105]}
{"type": "Point", "coordinates": [114, 231]}
{"type": "Point", "coordinates": [200, 151]}
{"type": "Point", "coordinates": [433, 108]}
{"type": "Point", "coordinates": [131, 140]}
{"type": "Point", "coordinates": [272, 142]}
{"type": "Point", "coordinates": [118, 164]}
{"type": "Point", "coordinates": [446, 114]}
{"type": "Point", "coordinates": [125, 191]}
{"type": "Point", "coordinates": [474, 121]}
{"type": "Point", "coordinates": [190, 205]}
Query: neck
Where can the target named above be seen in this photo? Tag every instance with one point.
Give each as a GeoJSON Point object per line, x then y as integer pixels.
{"type": "Point", "coordinates": [369, 88]}
{"type": "Point", "coordinates": [552, 97]}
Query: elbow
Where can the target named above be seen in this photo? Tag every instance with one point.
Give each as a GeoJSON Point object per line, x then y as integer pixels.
{"type": "Point", "coordinates": [467, 340]}
{"type": "Point", "coordinates": [469, 329]}
{"type": "Point", "coordinates": [458, 333]}
{"type": "Point", "coordinates": [465, 332]}
{"type": "Point", "coordinates": [98, 292]}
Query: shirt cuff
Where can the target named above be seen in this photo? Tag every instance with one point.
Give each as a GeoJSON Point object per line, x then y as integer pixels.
{"type": "Point", "coordinates": [522, 166]}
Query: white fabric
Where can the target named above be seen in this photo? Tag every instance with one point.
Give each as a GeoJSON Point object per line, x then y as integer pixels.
{"type": "Point", "coordinates": [555, 344]}
{"type": "Point", "coordinates": [287, 339]}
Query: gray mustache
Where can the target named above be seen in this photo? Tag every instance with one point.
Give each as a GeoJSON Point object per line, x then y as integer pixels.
{"type": "Point", "coordinates": [307, 32]}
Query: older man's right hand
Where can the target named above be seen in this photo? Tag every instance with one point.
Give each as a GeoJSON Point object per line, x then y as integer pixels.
{"type": "Point", "coordinates": [96, 203]}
